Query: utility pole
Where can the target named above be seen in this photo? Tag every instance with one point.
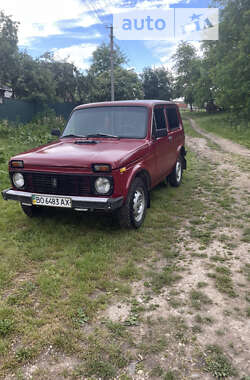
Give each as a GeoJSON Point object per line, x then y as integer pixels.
{"type": "Point", "coordinates": [111, 61]}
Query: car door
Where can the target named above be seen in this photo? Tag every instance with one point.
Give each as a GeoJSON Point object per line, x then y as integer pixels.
{"type": "Point", "coordinates": [175, 133]}
{"type": "Point", "coordinates": [161, 144]}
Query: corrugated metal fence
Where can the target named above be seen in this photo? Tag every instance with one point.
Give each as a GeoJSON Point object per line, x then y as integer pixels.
{"type": "Point", "coordinates": [22, 111]}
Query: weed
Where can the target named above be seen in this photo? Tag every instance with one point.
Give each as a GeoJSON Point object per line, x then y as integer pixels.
{"type": "Point", "coordinates": [217, 363]}
{"type": "Point", "coordinates": [169, 375]}
{"type": "Point", "coordinates": [132, 320]}
{"type": "Point", "coordinates": [248, 311]}
{"type": "Point", "coordinates": [157, 371]}
{"type": "Point", "coordinates": [202, 284]}
{"type": "Point", "coordinates": [24, 354]}
{"type": "Point", "coordinates": [198, 299]}
{"type": "Point", "coordinates": [246, 235]}
{"type": "Point", "coordinates": [246, 271]}
{"type": "Point", "coordinates": [167, 277]}
{"type": "Point", "coordinates": [117, 329]}
{"type": "Point", "coordinates": [80, 317]}
{"type": "Point", "coordinates": [6, 326]}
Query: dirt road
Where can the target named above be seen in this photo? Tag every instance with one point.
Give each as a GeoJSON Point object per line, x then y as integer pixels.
{"type": "Point", "coordinates": [208, 329]}
{"type": "Point", "coordinates": [226, 145]}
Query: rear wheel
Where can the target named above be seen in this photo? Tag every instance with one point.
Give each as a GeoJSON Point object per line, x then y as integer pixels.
{"type": "Point", "coordinates": [132, 213]}
{"type": "Point", "coordinates": [31, 211]}
{"type": "Point", "coordinates": [176, 175]}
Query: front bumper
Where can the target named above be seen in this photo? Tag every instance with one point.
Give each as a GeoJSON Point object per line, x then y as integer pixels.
{"type": "Point", "coordinates": [78, 203]}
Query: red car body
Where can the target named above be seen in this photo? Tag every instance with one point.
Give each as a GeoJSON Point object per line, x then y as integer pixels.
{"type": "Point", "coordinates": [152, 159]}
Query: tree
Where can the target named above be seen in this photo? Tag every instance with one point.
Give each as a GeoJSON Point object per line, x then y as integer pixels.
{"type": "Point", "coordinates": [187, 70]}
{"type": "Point", "coordinates": [97, 82]}
{"type": "Point", "coordinates": [230, 57]}
{"type": "Point", "coordinates": [8, 49]}
{"type": "Point", "coordinates": [157, 83]}
{"type": "Point", "coordinates": [36, 82]}
{"type": "Point", "coordinates": [101, 59]}
{"type": "Point", "coordinates": [65, 77]}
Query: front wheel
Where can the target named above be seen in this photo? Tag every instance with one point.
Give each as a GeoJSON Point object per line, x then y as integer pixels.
{"type": "Point", "coordinates": [132, 213]}
{"type": "Point", "coordinates": [176, 175]}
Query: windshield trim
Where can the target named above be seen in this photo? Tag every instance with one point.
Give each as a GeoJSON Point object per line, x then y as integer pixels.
{"type": "Point", "coordinates": [112, 106]}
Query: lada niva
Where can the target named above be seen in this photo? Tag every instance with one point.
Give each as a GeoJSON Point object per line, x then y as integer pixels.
{"type": "Point", "coordinates": [109, 157]}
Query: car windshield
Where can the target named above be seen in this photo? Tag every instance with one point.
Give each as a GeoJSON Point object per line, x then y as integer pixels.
{"type": "Point", "coordinates": [113, 121]}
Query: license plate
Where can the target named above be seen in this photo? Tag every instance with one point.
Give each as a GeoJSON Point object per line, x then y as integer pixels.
{"type": "Point", "coordinates": [51, 201]}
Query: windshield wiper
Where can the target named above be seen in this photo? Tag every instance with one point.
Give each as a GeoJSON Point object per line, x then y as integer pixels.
{"type": "Point", "coordinates": [102, 135]}
{"type": "Point", "coordinates": [71, 135]}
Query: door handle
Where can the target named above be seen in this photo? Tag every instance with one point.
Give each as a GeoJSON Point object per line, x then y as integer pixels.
{"type": "Point", "coordinates": [170, 138]}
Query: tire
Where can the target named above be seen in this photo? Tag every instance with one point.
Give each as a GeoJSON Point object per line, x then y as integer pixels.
{"type": "Point", "coordinates": [31, 211]}
{"type": "Point", "coordinates": [132, 213]}
{"type": "Point", "coordinates": [176, 175]}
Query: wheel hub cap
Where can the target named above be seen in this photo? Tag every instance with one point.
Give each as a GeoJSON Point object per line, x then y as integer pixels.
{"type": "Point", "coordinates": [138, 205]}
{"type": "Point", "coordinates": [178, 171]}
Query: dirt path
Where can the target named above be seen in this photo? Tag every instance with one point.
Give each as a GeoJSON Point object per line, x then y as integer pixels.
{"type": "Point", "coordinates": [226, 145]}
{"type": "Point", "coordinates": [212, 298]}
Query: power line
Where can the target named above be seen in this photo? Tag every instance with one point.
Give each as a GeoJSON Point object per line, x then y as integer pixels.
{"type": "Point", "coordinates": [93, 9]}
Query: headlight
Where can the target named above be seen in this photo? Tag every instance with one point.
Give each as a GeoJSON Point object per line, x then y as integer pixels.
{"type": "Point", "coordinates": [18, 180]}
{"type": "Point", "coordinates": [102, 185]}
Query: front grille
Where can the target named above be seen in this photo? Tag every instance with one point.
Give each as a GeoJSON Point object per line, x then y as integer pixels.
{"type": "Point", "coordinates": [60, 184]}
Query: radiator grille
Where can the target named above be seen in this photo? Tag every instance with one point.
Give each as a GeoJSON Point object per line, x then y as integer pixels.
{"type": "Point", "coordinates": [59, 184]}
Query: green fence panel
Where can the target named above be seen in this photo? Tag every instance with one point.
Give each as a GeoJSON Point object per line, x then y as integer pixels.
{"type": "Point", "coordinates": [22, 111]}
{"type": "Point", "coordinates": [17, 110]}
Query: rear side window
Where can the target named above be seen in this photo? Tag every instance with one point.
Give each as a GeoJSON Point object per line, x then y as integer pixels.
{"type": "Point", "coordinates": [159, 118]}
{"type": "Point", "coordinates": [173, 120]}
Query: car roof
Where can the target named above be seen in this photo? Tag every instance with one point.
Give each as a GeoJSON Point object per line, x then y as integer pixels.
{"type": "Point", "coordinates": [144, 102]}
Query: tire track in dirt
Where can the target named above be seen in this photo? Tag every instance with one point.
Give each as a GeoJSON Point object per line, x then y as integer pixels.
{"type": "Point", "coordinates": [226, 145]}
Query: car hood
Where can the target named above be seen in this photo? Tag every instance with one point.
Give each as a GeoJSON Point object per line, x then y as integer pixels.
{"type": "Point", "coordinates": [79, 154]}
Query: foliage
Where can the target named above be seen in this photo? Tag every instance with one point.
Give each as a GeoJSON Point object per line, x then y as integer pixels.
{"type": "Point", "coordinates": [157, 83]}
{"type": "Point", "coordinates": [229, 64]}
{"type": "Point", "coordinates": [126, 82]}
{"type": "Point", "coordinates": [101, 60]}
{"type": "Point", "coordinates": [187, 70]}
{"type": "Point", "coordinates": [8, 49]}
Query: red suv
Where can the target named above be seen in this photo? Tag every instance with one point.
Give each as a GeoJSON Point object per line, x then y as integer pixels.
{"type": "Point", "coordinates": [109, 157]}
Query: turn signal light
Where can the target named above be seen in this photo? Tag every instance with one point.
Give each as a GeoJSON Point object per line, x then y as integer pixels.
{"type": "Point", "coordinates": [16, 164]}
{"type": "Point", "coordinates": [101, 168]}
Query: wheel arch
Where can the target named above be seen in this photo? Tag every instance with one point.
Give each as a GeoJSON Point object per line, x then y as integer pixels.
{"type": "Point", "coordinates": [144, 175]}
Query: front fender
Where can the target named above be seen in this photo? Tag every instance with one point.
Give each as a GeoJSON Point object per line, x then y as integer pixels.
{"type": "Point", "coordinates": [131, 173]}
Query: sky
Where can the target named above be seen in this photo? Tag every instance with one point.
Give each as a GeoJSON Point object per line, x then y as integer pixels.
{"type": "Point", "coordinates": [73, 29]}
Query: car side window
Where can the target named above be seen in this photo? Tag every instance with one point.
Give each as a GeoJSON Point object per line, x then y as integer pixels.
{"type": "Point", "coordinates": [173, 119]}
{"type": "Point", "coordinates": [159, 118]}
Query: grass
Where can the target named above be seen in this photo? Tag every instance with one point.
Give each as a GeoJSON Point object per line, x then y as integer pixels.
{"type": "Point", "coordinates": [224, 125]}
{"type": "Point", "coordinates": [223, 280]}
{"type": "Point", "coordinates": [199, 299]}
{"type": "Point", "coordinates": [60, 271]}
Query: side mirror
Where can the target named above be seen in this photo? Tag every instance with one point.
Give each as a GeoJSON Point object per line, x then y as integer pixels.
{"type": "Point", "coordinates": [56, 132]}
